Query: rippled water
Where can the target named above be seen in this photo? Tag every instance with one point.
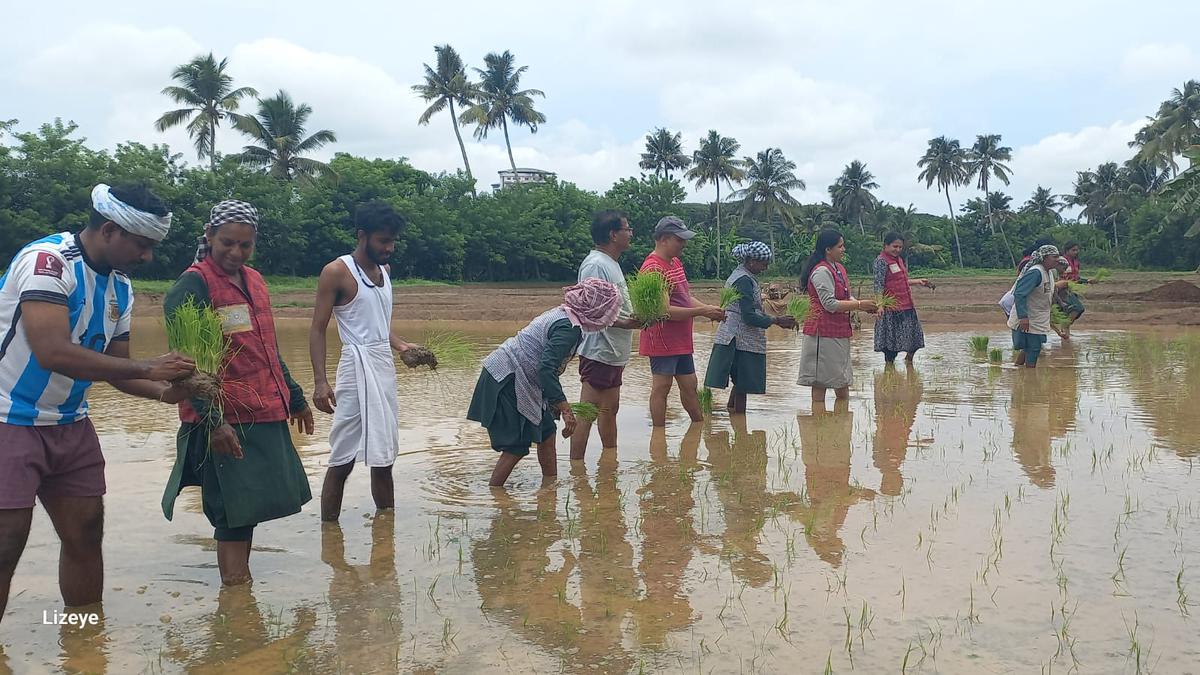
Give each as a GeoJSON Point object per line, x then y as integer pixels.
{"type": "Point", "coordinates": [955, 517]}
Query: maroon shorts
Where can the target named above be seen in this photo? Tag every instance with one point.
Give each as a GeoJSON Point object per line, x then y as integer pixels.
{"type": "Point", "coordinates": [49, 461]}
{"type": "Point", "coordinates": [599, 375]}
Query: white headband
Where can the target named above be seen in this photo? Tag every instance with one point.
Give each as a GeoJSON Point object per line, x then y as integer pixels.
{"type": "Point", "coordinates": [130, 219]}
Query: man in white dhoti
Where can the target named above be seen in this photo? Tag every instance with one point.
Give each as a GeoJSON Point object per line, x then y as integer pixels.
{"type": "Point", "coordinates": [357, 290]}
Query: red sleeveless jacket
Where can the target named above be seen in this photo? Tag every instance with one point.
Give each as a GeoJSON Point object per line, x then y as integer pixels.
{"type": "Point", "coordinates": [896, 283]}
{"type": "Point", "coordinates": [829, 324]}
{"type": "Point", "coordinates": [253, 383]}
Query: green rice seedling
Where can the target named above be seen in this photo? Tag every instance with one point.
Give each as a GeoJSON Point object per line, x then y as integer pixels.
{"type": "Point", "coordinates": [1059, 318]}
{"type": "Point", "coordinates": [196, 331]}
{"type": "Point", "coordinates": [799, 307]}
{"type": "Point", "coordinates": [706, 401]}
{"type": "Point", "coordinates": [1102, 274]}
{"type": "Point", "coordinates": [996, 356]}
{"type": "Point", "coordinates": [449, 349]}
{"type": "Point", "coordinates": [1076, 288]}
{"type": "Point", "coordinates": [729, 296]}
{"type": "Point", "coordinates": [587, 412]}
{"type": "Point", "coordinates": [979, 344]}
{"type": "Point", "coordinates": [648, 293]}
{"type": "Point", "coordinates": [886, 302]}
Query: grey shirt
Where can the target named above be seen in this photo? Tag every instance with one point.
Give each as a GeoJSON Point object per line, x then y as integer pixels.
{"type": "Point", "coordinates": [611, 346]}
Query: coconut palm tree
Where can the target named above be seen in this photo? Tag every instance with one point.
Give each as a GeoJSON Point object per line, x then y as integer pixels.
{"type": "Point", "coordinates": [664, 153]}
{"type": "Point", "coordinates": [1174, 128]}
{"type": "Point", "coordinates": [1184, 190]}
{"type": "Point", "coordinates": [812, 218]}
{"type": "Point", "coordinates": [851, 193]}
{"type": "Point", "coordinates": [945, 163]}
{"type": "Point", "coordinates": [278, 140]}
{"type": "Point", "coordinates": [443, 87]}
{"type": "Point", "coordinates": [1098, 194]}
{"type": "Point", "coordinates": [716, 162]}
{"type": "Point", "coordinates": [207, 91]}
{"type": "Point", "coordinates": [499, 98]}
{"type": "Point", "coordinates": [986, 159]}
{"type": "Point", "coordinates": [770, 178]}
{"type": "Point", "coordinates": [1044, 204]}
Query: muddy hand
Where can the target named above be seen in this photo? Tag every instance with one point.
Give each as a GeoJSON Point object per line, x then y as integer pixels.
{"type": "Point", "coordinates": [324, 398]}
{"type": "Point", "coordinates": [224, 441]}
{"type": "Point", "coordinates": [569, 421]}
{"type": "Point", "coordinates": [169, 367]}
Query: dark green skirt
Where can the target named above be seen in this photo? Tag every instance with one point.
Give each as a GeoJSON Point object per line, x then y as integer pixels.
{"type": "Point", "coordinates": [494, 405]}
{"type": "Point", "coordinates": [268, 482]}
{"type": "Point", "coordinates": [747, 370]}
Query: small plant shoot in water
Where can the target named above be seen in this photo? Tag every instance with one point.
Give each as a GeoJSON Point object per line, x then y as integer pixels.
{"type": "Point", "coordinates": [979, 344]}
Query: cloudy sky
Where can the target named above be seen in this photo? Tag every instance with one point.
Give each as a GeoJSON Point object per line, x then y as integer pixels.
{"type": "Point", "coordinates": [1066, 82]}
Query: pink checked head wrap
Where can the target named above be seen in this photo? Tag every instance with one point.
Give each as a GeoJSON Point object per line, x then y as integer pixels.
{"type": "Point", "coordinates": [593, 304]}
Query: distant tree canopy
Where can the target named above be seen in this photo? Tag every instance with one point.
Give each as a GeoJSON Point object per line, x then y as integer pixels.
{"type": "Point", "coordinates": [526, 233]}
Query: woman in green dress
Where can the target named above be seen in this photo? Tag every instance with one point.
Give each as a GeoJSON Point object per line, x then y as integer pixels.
{"type": "Point", "coordinates": [241, 454]}
{"type": "Point", "coordinates": [519, 395]}
{"type": "Point", "coordinates": [739, 350]}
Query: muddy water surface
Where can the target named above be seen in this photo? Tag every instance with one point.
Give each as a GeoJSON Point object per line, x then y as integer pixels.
{"type": "Point", "coordinates": [954, 517]}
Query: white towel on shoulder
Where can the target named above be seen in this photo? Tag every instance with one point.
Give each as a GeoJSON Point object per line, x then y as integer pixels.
{"type": "Point", "coordinates": [365, 420]}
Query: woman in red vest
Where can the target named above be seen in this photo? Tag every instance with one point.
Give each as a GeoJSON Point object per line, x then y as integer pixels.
{"type": "Point", "coordinates": [242, 457]}
{"type": "Point", "coordinates": [825, 352]}
{"type": "Point", "coordinates": [898, 329]}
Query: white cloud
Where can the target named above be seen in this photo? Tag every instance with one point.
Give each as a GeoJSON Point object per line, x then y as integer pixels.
{"type": "Point", "coordinates": [1054, 160]}
{"type": "Point", "coordinates": [109, 58]}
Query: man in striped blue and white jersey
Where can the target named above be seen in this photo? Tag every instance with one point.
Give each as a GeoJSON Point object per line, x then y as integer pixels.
{"type": "Point", "coordinates": [65, 307]}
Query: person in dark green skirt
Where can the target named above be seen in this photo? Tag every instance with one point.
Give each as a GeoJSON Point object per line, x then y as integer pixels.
{"type": "Point", "coordinates": [739, 351]}
{"type": "Point", "coordinates": [519, 394]}
{"type": "Point", "coordinates": [240, 455]}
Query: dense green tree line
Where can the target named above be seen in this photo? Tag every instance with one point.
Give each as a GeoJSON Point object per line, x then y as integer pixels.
{"type": "Point", "coordinates": [535, 232]}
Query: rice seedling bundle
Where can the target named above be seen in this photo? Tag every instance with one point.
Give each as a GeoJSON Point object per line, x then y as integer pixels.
{"type": "Point", "coordinates": [729, 295]}
{"type": "Point", "coordinates": [799, 307]}
{"type": "Point", "coordinates": [979, 343]}
{"type": "Point", "coordinates": [1076, 288]}
{"type": "Point", "coordinates": [648, 293]}
{"type": "Point", "coordinates": [449, 349]}
{"type": "Point", "coordinates": [1101, 274]}
{"type": "Point", "coordinates": [706, 401]}
{"type": "Point", "coordinates": [886, 302]}
{"type": "Point", "coordinates": [588, 412]}
{"type": "Point", "coordinates": [1059, 318]}
{"type": "Point", "coordinates": [196, 331]}
{"type": "Point", "coordinates": [996, 356]}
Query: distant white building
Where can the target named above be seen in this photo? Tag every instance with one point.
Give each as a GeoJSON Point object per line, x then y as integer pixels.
{"type": "Point", "coordinates": [521, 176]}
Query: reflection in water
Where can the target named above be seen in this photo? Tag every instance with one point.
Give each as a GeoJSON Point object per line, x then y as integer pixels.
{"type": "Point", "coordinates": [607, 586]}
{"type": "Point", "coordinates": [241, 637]}
{"type": "Point", "coordinates": [1165, 373]}
{"type": "Point", "coordinates": [825, 449]}
{"type": "Point", "coordinates": [666, 500]}
{"type": "Point", "coordinates": [609, 569]}
{"type": "Point", "coordinates": [522, 569]}
{"type": "Point", "coordinates": [364, 599]}
{"type": "Point", "coordinates": [897, 397]}
{"type": "Point", "coordinates": [85, 648]}
{"type": "Point", "coordinates": [739, 470]}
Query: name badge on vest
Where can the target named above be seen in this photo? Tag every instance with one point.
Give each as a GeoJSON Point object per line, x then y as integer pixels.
{"type": "Point", "coordinates": [235, 319]}
{"type": "Point", "coordinates": [894, 268]}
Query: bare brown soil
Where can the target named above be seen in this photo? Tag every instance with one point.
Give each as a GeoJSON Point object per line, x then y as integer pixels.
{"type": "Point", "coordinates": [1127, 299]}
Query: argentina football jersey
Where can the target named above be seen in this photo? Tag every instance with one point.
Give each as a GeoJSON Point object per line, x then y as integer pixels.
{"type": "Point", "coordinates": [55, 270]}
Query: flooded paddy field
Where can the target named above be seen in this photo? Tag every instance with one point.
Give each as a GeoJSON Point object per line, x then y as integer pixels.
{"type": "Point", "coordinates": [954, 517]}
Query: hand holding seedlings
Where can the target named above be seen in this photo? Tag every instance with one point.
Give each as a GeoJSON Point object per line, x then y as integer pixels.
{"type": "Point", "coordinates": [169, 367]}
{"type": "Point", "coordinates": [568, 418]}
{"type": "Point", "coordinates": [786, 322]}
{"type": "Point", "coordinates": [867, 306]}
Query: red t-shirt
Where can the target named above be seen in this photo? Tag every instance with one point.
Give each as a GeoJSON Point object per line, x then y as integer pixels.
{"type": "Point", "coordinates": [669, 338]}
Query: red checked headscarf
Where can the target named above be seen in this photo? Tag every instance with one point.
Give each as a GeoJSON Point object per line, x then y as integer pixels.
{"type": "Point", "coordinates": [593, 304]}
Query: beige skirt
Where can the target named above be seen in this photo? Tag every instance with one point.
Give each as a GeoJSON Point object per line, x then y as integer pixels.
{"type": "Point", "coordinates": [824, 362]}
